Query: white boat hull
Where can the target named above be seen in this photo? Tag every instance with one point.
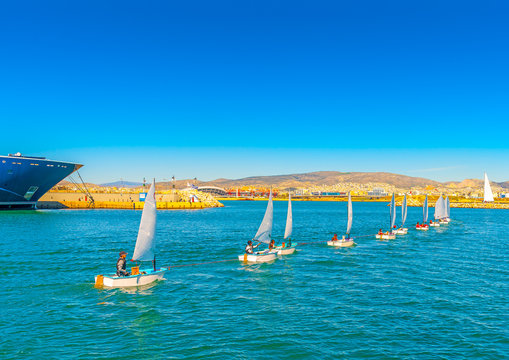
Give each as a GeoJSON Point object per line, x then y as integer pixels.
{"type": "Point", "coordinates": [434, 224]}
{"type": "Point", "coordinates": [401, 231]}
{"type": "Point", "coordinates": [386, 236]}
{"type": "Point", "coordinates": [115, 281]}
{"type": "Point", "coordinates": [258, 257]}
{"type": "Point", "coordinates": [422, 228]}
{"type": "Point", "coordinates": [444, 222]}
{"type": "Point", "coordinates": [341, 243]}
{"type": "Point", "coordinates": [285, 251]}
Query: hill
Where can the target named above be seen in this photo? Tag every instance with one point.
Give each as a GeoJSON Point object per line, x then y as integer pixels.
{"type": "Point", "coordinates": [125, 184]}
{"type": "Point", "coordinates": [325, 178]}
{"type": "Point", "coordinates": [314, 179]}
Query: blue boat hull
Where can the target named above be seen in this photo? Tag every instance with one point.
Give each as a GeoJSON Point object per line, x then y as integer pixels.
{"type": "Point", "coordinates": [23, 180]}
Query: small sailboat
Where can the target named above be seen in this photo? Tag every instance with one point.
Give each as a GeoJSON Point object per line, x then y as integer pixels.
{"type": "Point", "coordinates": [144, 250]}
{"type": "Point", "coordinates": [402, 230]}
{"type": "Point", "coordinates": [424, 226]}
{"type": "Point", "coordinates": [287, 247]}
{"type": "Point", "coordinates": [389, 235]}
{"type": "Point", "coordinates": [488, 195]}
{"type": "Point", "coordinates": [439, 212]}
{"type": "Point", "coordinates": [447, 212]}
{"type": "Point", "coordinates": [345, 241]}
{"type": "Point", "coordinates": [264, 235]}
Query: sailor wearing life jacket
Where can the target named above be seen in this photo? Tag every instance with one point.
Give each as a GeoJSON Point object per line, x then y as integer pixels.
{"type": "Point", "coordinates": [121, 264]}
{"type": "Point", "coordinates": [250, 247]}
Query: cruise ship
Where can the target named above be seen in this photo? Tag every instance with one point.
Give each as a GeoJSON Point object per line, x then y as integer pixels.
{"type": "Point", "coordinates": [24, 179]}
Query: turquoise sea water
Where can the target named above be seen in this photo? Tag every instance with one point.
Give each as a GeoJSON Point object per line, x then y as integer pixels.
{"type": "Point", "coordinates": [427, 295]}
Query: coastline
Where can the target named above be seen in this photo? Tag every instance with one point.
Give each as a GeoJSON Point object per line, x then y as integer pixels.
{"type": "Point", "coordinates": [166, 201]}
{"type": "Point", "coordinates": [413, 201]}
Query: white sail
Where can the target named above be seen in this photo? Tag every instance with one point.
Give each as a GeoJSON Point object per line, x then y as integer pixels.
{"type": "Point", "coordinates": [447, 208]}
{"type": "Point", "coordinates": [145, 244]}
{"type": "Point", "coordinates": [440, 211]}
{"type": "Point", "coordinates": [264, 232]}
{"type": "Point", "coordinates": [425, 210]}
{"type": "Point", "coordinates": [488, 195]}
{"type": "Point", "coordinates": [289, 220]}
{"type": "Point", "coordinates": [393, 212]}
{"type": "Point", "coordinates": [350, 215]}
{"type": "Point", "coordinates": [403, 211]}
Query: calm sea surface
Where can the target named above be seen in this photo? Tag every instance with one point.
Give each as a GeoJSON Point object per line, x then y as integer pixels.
{"type": "Point", "coordinates": [436, 294]}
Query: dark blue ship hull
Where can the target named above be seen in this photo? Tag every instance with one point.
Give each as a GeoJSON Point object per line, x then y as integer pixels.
{"type": "Point", "coordinates": [23, 180]}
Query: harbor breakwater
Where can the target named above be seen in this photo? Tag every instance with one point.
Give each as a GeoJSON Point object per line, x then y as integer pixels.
{"type": "Point", "coordinates": [170, 201]}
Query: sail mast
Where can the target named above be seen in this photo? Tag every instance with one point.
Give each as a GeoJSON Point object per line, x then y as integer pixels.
{"type": "Point", "coordinates": [425, 210]}
{"type": "Point", "coordinates": [145, 244]}
{"type": "Point", "coordinates": [393, 211]}
{"type": "Point", "coordinates": [264, 232]}
{"type": "Point", "coordinates": [403, 211]}
{"type": "Point", "coordinates": [439, 208]}
{"type": "Point", "coordinates": [488, 195]}
{"type": "Point", "coordinates": [289, 219]}
{"type": "Point", "coordinates": [350, 214]}
{"type": "Point", "coordinates": [447, 208]}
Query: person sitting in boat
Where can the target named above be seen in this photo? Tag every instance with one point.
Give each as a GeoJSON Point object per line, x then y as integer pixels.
{"type": "Point", "coordinates": [121, 264]}
{"type": "Point", "coordinates": [335, 237]}
{"type": "Point", "coordinates": [418, 225]}
{"type": "Point", "coordinates": [250, 247]}
{"type": "Point", "coordinates": [272, 244]}
{"type": "Point", "coordinates": [380, 232]}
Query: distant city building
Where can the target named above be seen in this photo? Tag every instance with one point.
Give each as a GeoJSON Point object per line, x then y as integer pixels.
{"type": "Point", "coordinates": [213, 190]}
{"type": "Point", "coordinates": [377, 192]}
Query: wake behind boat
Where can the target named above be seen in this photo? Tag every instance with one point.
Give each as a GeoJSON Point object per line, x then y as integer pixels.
{"type": "Point", "coordinates": [263, 235]}
{"type": "Point", "coordinates": [144, 251]}
{"type": "Point", "coordinates": [345, 242]}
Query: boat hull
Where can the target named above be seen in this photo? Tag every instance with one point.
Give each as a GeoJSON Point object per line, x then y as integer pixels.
{"type": "Point", "coordinates": [435, 225]}
{"type": "Point", "coordinates": [25, 179]}
{"type": "Point", "coordinates": [386, 236]}
{"type": "Point", "coordinates": [134, 280]}
{"type": "Point", "coordinates": [286, 251]}
{"type": "Point", "coordinates": [422, 228]}
{"type": "Point", "coordinates": [341, 243]}
{"type": "Point", "coordinates": [258, 257]}
{"type": "Point", "coordinates": [401, 231]}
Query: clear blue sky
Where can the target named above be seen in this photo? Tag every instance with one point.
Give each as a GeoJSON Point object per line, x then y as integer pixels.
{"type": "Point", "coordinates": [212, 89]}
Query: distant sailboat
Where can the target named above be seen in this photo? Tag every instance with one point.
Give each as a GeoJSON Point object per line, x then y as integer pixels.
{"type": "Point", "coordinates": [447, 218]}
{"type": "Point", "coordinates": [264, 235]}
{"type": "Point", "coordinates": [144, 250]}
{"type": "Point", "coordinates": [403, 230]}
{"type": "Point", "coordinates": [439, 212]}
{"type": "Point", "coordinates": [488, 195]}
{"type": "Point", "coordinates": [390, 235]}
{"type": "Point", "coordinates": [287, 247]}
{"type": "Point", "coordinates": [345, 241]}
{"type": "Point", "coordinates": [424, 226]}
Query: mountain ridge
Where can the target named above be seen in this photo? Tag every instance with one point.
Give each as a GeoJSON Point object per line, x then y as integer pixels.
{"type": "Point", "coordinates": [320, 178]}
